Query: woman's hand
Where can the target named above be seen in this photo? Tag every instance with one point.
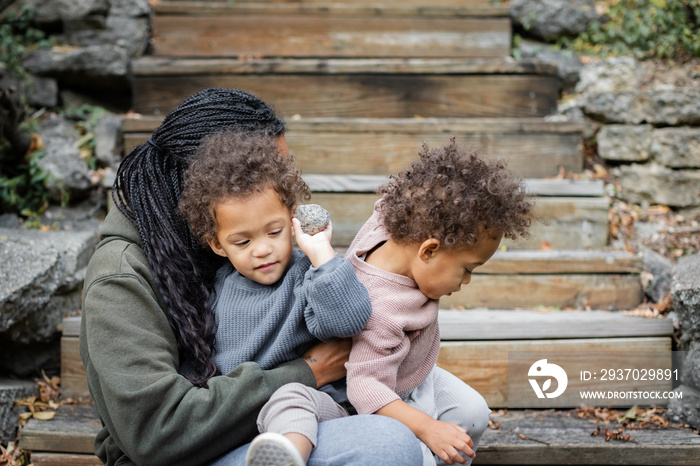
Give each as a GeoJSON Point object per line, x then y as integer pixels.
{"type": "Point", "coordinates": [327, 360]}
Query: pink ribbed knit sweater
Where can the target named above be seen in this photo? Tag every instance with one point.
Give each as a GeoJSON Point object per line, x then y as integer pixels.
{"type": "Point", "coordinates": [400, 342]}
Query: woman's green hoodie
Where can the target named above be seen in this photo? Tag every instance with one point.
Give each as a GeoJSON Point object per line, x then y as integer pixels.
{"type": "Point", "coordinates": [151, 415]}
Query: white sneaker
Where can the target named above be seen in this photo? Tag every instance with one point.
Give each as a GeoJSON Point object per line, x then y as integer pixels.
{"type": "Point", "coordinates": [271, 449]}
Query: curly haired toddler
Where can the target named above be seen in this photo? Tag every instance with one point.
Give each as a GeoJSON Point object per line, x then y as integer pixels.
{"type": "Point", "coordinates": [436, 222]}
{"type": "Point", "coordinates": [271, 302]}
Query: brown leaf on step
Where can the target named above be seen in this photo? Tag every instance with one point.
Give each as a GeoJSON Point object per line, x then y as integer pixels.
{"type": "Point", "coordinates": [562, 173]}
{"type": "Point", "coordinates": [494, 425]}
{"type": "Point", "coordinates": [546, 246]}
{"type": "Point", "coordinates": [45, 415]}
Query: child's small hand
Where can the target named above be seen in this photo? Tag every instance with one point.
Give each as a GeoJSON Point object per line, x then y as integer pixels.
{"type": "Point", "coordinates": [447, 440]}
{"type": "Point", "coordinates": [317, 247]}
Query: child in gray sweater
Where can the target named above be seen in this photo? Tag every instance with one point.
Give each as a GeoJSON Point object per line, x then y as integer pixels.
{"type": "Point", "coordinates": [271, 302]}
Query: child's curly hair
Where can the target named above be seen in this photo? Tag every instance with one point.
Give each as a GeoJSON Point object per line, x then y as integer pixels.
{"type": "Point", "coordinates": [454, 194]}
{"type": "Point", "coordinates": [236, 164]}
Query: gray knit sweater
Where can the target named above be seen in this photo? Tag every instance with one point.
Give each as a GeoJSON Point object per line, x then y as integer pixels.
{"type": "Point", "coordinates": [272, 324]}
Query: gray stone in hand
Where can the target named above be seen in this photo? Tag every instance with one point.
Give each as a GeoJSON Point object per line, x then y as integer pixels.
{"type": "Point", "coordinates": [313, 218]}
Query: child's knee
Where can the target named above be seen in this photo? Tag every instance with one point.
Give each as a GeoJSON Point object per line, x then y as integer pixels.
{"type": "Point", "coordinates": [480, 415]}
{"type": "Point", "coordinates": [291, 390]}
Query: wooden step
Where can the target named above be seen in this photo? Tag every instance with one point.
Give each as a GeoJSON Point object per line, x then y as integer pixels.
{"type": "Point", "coordinates": [533, 147]}
{"type": "Point", "coordinates": [484, 365]}
{"type": "Point", "coordinates": [561, 437]}
{"type": "Point", "coordinates": [497, 7]}
{"type": "Point", "coordinates": [216, 29]}
{"type": "Point", "coordinates": [568, 211]}
{"type": "Point", "coordinates": [580, 221]}
{"type": "Point", "coordinates": [380, 88]}
{"type": "Point", "coordinates": [467, 333]}
{"type": "Point", "coordinates": [498, 324]}
{"type": "Point", "coordinates": [523, 437]}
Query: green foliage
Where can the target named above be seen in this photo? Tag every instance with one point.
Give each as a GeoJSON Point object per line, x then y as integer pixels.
{"type": "Point", "coordinates": [86, 117]}
{"type": "Point", "coordinates": [24, 192]}
{"type": "Point", "coordinates": [643, 29]}
{"type": "Point", "coordinates": [17, 37]}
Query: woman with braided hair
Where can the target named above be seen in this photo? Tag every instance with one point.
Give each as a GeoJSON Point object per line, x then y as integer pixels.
{"type": "Point", "coordinates": [147, 331]}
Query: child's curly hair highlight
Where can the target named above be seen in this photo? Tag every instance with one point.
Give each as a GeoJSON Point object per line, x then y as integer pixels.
{"type": "Point", "coordinates": [454, 194]}
{"type": "Point", "coordinates": [236, 164]}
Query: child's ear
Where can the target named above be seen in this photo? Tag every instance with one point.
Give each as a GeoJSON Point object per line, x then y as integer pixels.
{"type": "Point", "coordinates": [428, 249]}
{"type": "Point", "coordinates": [216, 246]}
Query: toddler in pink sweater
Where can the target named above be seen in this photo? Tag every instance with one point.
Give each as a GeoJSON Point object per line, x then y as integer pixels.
{"type": "Point", "coordinates": [436, 222]}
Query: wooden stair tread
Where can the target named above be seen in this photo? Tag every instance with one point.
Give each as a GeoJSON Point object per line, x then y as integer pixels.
{"type": "Point", "coordinates": [420, 3]}
{"type": "Point", "coordinates": [568, 440]}
{"type": "Point", "coordinates": [522, 437]}
{"type": "Point", "coordinates": [533, 147]}
{"type": "Point", "coordinates": [493, 324]}
{"type": "Point", "coordinates": [509, 324]}
{"type": "Point", "coordinates": [422, 8]}
{"type": "Point", "coordinates": [370, 183]}
{"type": "Point", "coordinates": [392, 88]}
{"type": "Point", "coordinates": [72, 430]}
{"type": "Point", "coordinates": [161, 66]}
{"type": "Point", "coordinates": [147, 123]}
{"type": "Point", "coordinates": [250, 29]}
{"type": "Point", "coordinates": [570, 220]}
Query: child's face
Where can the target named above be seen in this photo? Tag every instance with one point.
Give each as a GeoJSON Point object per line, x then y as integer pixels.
{"type": "Point", "coordinates": [441, 272]}
{"type": "Point", "coordinates": [255, 233]}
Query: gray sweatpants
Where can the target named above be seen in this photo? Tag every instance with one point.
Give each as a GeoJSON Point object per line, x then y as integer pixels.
{"type": "Point", "coordinates": [296, 408]}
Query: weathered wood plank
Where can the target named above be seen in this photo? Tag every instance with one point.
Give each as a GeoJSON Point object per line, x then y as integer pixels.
{"type": "Point", "coordinates": [484, 365]}
{"type": "Point", "coordinates": [73, 378]}
{"type": "Point", "coordinates": [443, 8]}
{"type": "Point", "coordinates": [71, 326]}
{"type": "Point", "coordinates": [561, 262]}
{"type": "Point", "coordinates": [352, 183]}
{"type": "Point", "coordinates": [72, 430]}
{"type": "Point", "coordinates": [158, 66]}
{"type": "Point", "coordinates": [488, 324]}
{"type": "Point", "coordinates": [532, 149]}
{"type": "Point", "coordinates": [283, 34]}
{"type": "Point", "coordinates": [599, 291]}
{"type": "Point", "coordinates": [419, 3]}
{"type": "Point", "coordinates": [572, 221]}
{"type": "Point", "coordinates": [378, 96]}
{"type": "Point", "coordinates": [560, 437]}
{"type": "Point", "coordinates": [528, 155]}
{"type": "Point", "coordinates": [63, 459]}
{"type": "Point", "coordinates": [495, 126]}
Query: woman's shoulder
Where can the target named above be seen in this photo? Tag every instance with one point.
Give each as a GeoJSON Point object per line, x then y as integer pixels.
{"type": "Point", "coordinates": [119, 252]}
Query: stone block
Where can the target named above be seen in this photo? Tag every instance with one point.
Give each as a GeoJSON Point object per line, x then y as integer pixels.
{"type": "Point", "coordinates": [676, 147]}
{"type": "Point", "coordinates": [625, 143]}
{"type": "Point", "coordinates": [69, 173]}
{"type": "Point", "coordinates": [659, 272]}
{"type": "Point", "coordinates": [672, 107]}
{"type": "Point", "coordinates": [550, 19]}
{"type": "Point", "coordinates": [656, 184]}
{"type": "Point", "coordinates": [685, 296]}
{"type": "Point", "coordinates": [610, 75]}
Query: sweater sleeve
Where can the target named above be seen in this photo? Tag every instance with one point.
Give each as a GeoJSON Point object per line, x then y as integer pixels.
{"type": "Point", "coordinates": [154, 415]}
{"type": "Point", "coordinates": [377, 353]}
{"type": "Point", "coordinates": [337, 304]}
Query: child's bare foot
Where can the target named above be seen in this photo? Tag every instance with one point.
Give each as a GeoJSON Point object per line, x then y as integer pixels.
{"type": "Point", "coordinates": [271, 449]}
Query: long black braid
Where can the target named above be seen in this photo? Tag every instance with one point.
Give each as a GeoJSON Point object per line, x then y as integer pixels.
{"type": "Point", "coordinates": [147, 191]}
